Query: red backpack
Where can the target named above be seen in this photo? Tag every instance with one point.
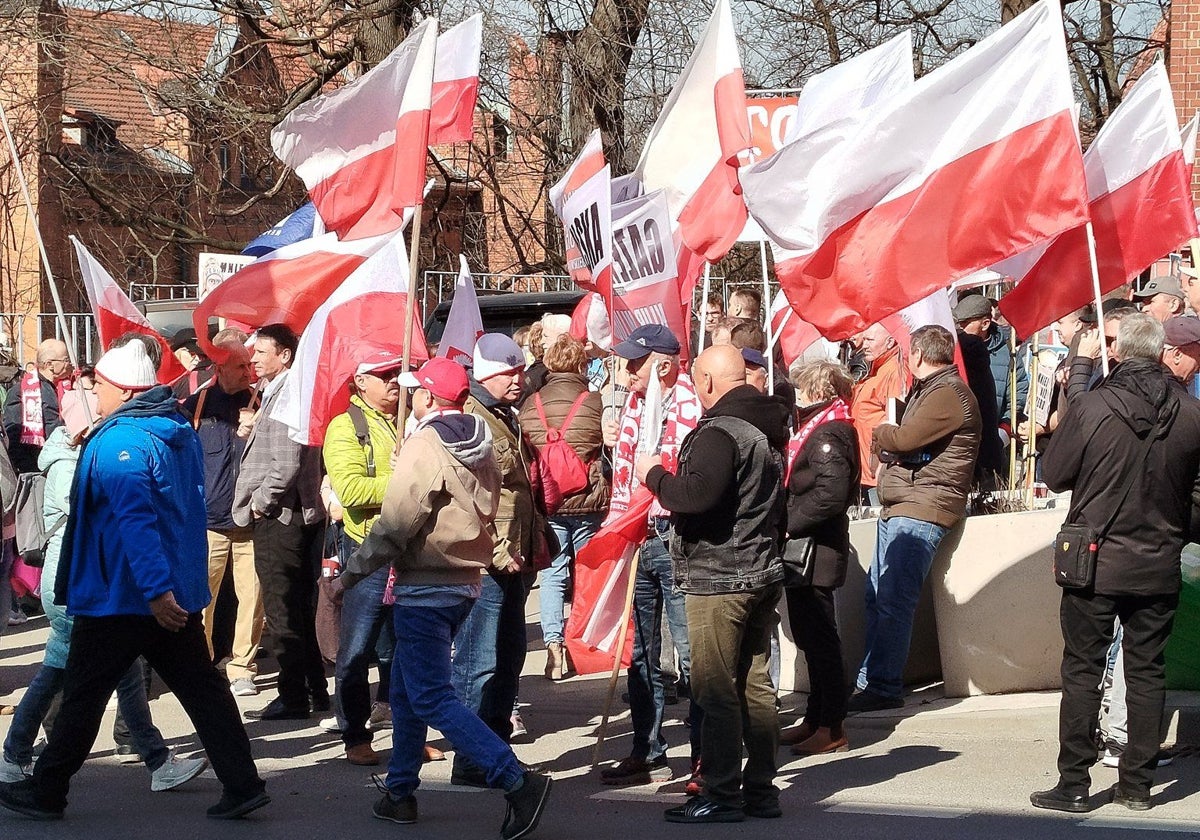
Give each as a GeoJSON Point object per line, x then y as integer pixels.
{"type": "Point", "coordinates": [560, 470]}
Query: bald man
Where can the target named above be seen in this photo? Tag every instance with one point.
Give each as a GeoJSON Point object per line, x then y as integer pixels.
{"type": "Point", "coordinates": [726, 501]}
{"type": "Point", "coordinates": [31, 409]}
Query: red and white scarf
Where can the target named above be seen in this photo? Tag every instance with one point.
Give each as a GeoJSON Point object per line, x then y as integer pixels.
{"type": "Point", "coordinates": [836, 410]}
{"type": "Point", "coordinates": [33, 425]}
{"type": "Point", "coordinates": [683, 415]}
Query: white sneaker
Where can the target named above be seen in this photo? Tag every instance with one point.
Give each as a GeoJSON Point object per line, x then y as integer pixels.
{"type": "Point", "coordinates": [518, 726]}
{"type": "Point", "coordinates": [330, 725]}
{"type": "Point", "coordinates": [243, 687]}
{"type": "Point", "coordinates": [176, 771]}
{"type": "Point", "coordinates": [10, 772]}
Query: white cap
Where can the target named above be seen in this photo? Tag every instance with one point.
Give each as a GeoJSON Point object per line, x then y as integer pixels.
{"type": "Point", "coordinates": [128, 367]}
{"type": "Point", "coordinates": [496, 353]}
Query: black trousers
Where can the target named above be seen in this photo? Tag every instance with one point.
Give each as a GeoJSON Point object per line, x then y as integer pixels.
{"type": "Point", "coordinates": [287, 559]}
{"type": "Point", "coordinates": [1087, 627]}
{"type": "Point", "coordinates": [102, 650]}
{"type": "Point", "coordinates": [813, 618]}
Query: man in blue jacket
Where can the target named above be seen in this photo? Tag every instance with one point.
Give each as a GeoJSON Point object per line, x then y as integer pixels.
{"type": "Point", "coordinates": [134, 575]}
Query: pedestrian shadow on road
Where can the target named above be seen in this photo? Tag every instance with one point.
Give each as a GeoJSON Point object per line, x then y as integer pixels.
{"type": "Point", "coordinates": [817, 781]}
{"type": "Point", "coordinates": [1181, 777]}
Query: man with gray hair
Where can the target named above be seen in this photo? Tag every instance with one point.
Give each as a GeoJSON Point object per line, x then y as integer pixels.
{"type": "Point", "coordinates": [1136, 435]}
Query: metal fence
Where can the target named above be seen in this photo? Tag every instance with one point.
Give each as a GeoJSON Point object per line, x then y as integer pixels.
{"type": "Point", "coordinates": [437, 286]}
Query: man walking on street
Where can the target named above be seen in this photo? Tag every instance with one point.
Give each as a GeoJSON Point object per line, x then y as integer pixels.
{"type": "Point", "coordinates": [437, 532]}
{"type": "Point", "coordinates": [134, 574]}
{"type": "Point", "coordinates": [727, 527]}
{"type": "Point", "coordinates": [1129, 452]}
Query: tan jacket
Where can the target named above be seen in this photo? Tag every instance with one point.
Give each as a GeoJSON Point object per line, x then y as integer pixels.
{"type": "Point", "coordinates": [436, 527]}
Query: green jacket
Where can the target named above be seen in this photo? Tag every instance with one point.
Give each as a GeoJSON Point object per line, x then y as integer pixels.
{"type": "Point", "coordinates": [346, 462]}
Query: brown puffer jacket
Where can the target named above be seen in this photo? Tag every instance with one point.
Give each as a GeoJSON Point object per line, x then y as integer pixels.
{"type": "Point", "coordinates": [558, 395]}
{"type": "Point", "coordinates": [933, 451]}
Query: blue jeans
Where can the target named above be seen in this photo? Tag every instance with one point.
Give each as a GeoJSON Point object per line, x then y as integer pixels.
{"type": "Point", "coordinates": [489, 652]}
{"type": "Point", "coordinates": [573, 533]}
{"type": "Point", "coordinates": [363, 618]}
{"type": "Point", "coordinates": [654, 590]}
{"type": "Point", "coordinates": [423, 696]}
{"type": "Point", "coordinates": [903, 555]}
{"type": "Point", "coordinates": [131, 700]}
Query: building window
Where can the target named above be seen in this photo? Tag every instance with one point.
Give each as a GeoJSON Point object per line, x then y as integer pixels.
{"type": "Point", "coordinates": [224, 162]}
{"type": "Point", "coordinates": [501, 138]}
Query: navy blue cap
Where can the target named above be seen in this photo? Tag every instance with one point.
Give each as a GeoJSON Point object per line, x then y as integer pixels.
{"type": "Point", "coordinates": [647, 339]}
{"type": "Point", "coordinates": [754, 357]}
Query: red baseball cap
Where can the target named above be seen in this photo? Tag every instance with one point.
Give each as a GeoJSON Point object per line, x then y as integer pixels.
{"type": "Point", "coordinates": [441, 377]}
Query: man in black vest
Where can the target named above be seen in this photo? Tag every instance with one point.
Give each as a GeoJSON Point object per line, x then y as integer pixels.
{"type": "Point", "coordinates": [726, 501]}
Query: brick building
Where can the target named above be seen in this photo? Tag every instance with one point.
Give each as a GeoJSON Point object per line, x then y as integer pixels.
{"type": "Point", "coordinates": [112, 117]}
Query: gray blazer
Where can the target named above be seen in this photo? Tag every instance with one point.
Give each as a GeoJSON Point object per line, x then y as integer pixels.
{"type": "Point", "coordinates": [280, 477]}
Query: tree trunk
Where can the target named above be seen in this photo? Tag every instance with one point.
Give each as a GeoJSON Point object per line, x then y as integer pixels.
{"type": "Point", "coordinates": [384, 24]}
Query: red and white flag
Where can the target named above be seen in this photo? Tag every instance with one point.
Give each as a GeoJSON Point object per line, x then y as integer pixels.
{"type": "Point", "coordinates": [361, 149]}
{"type": "Point", "coordinates": [590, 322]}
{"type": "Point", "coordinates": [363, 316]}
{"type": "Point", "coordinates": [582, 174]}
{"type": "Point", "coordinates": [1141, 208]}
{"type": "Point", "coordinates": [1188, 137]}
{"type": "Point", "coordinates": [791, 333]}
{"type": "Point", "coordinates": [464, 323]}
{"type": "Point", "coordinates": [587, 216]}
{"type": "Point", "coordinates": [456, 83]}
{"type": "Point", "coordinates": [693, 147]}
{"type": "Point", "coordinates": [976, 162]}
{"type": "Point", "coordinates": [934, 310]}
{"type": "Point", "coordinates": [116, 314]}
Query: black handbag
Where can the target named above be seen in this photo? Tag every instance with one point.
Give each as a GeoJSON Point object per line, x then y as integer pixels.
{"type": "Point", "coordinates": [1077, 546]}
{"type": "Point", "coordinates": [799, 560]}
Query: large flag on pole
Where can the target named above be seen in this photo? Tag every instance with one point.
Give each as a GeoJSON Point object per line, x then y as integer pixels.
{"type": "Point", "coordinates": [583, 172]}
{"type": "Point", "coordinates": [361, 149]}
{"type": "Point", "coordinates": [116, 314]}
{"type": "Point", "coordinates": [456, 83]}
{"type": "Point", "coordinates": [693, 147]}
{"type": "Point", "coordinates": [464, 323]}
{"type": "Point", "coordinates": [976, 162]}
{"type": "Point", "coordinates": [1141, 208]}
{"type": "Point", "coordinates": [362, 316]}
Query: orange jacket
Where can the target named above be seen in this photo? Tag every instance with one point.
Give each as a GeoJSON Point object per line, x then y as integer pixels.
{"type": "Point", "coordinates": [868, 405]}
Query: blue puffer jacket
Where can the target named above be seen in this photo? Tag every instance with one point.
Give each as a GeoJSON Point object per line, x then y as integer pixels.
{"type": "Point", "coordinates": [137, 514]}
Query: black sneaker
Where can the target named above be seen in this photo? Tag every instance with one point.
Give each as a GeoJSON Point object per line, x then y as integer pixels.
{"type": "Point", "coordinates": [232, 806]}
{"type": "Point", "coordinates": [701, 810]}
{"type": "Point", "coordinates": [1132, 801]}
{"type": "Point", "coordinates": [22, 798]}
{"type": "Point", "coordinates": [525, 805]}
{"type": "Point", "coordinates": [869, 701]}
{"type": "Point", "coordinates": [278, 710]}
{"type": "Point", "coordinates": [1058, 799]}
{"type": "Point", "coordinates": [403, 811]}
{"type": "Point", "coordinates": [637, 771]}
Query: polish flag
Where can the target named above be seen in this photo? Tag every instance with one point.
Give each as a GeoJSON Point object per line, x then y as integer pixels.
{"type": "Point", "coordinates": [361, 149]}
{"type": "Point", "coordinates": [588, 165]}
{"type": "Point", "coordinates": [464, 323]}
{"type": "Point", "coordinates": [364, 316]}
{"type": "Point", "coordinates": [590, 321]}
{"type": "Point", "coordinates": [456, 83]}
{"type": "Point", "coordinates": [116, 314]}
{"type": "Point", "coordinates": [1188, 137]}
{"type": "Point", "coordinates": [1141, 208]}
{"type": "Point", "coordinates": [287, 285]}
{"type": "Point", "coordinates": [976, 162]}
{"type": "Point", "coordinates": [934, 310]}
{"type": "Point", "coordinates": [789, 331]}
{"type": "Point", "coordinates": [692, 151]}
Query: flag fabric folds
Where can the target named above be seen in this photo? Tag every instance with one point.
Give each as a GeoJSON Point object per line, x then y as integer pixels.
{"type": "Point", "coordinates": [360, 149]}
{"type": "Point", "coordinates": [975, 162]}
{"type": "Point", "coordinates": [116, 314]}
{"type": "Point", "coordinates": [364, 315]}
{"type": "Point", "coordinates": [456, 83]}
{"type": "Point", "coordinates": [692, 150]}
{"type": "Point", "coordinates": [464, 323]}
{"type": "Point", "coordinates": [292, 228]}
{"type": "Point", "coordinates": [583, 174]}
{"type": "Point", "coordinates": [1141, 209]}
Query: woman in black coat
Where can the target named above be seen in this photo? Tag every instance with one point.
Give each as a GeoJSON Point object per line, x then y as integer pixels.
{"type": "Point", "coordinates": [822, 484]}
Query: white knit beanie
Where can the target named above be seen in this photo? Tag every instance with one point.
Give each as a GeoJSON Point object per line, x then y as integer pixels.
{"type": "Point", "coordinates": [496, 353]}
{"type": "Point", "coordinates": [128, 367]}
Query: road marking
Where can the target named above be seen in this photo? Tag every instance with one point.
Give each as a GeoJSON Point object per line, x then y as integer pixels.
{"type": "Point", "coordinates": [1139, 824]}
{"type": "Point", "coordinates": [933, 812]}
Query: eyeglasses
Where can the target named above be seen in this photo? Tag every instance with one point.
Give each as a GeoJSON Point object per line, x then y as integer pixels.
{"type": "Point", "coordinates": [385, 375]}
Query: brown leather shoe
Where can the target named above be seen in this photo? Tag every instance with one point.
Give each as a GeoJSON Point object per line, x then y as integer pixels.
{"type": "Point", "coordinates": [555, 662]}
{"type": "Point", "coordinates": [362, 755]}
{"type": "Point", "coordinates": [797, 733]}
{"type": "Point", "coordinates": [432, 753]}
{"type": "Point", "coordinates": [824, 740]}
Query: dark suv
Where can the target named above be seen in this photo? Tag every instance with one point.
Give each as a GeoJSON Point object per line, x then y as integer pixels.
{"type": "Point", "coordinates": [506, 312]}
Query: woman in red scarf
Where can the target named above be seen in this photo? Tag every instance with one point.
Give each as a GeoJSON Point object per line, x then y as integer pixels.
{"type": "Point", "coordinates": [822, 484]}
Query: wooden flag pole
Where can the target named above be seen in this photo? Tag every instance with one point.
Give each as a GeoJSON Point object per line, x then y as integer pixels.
{"type": "Point", "coordinates": [410, 308]}
{"type": "Point", "coordinates": [704, 307]}
{"type": "Point", "coordinates": [1091, 240]}
{"type": "Point", "coordinates": [626, 613]}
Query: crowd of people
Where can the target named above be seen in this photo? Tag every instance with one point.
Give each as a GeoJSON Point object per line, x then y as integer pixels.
{"type": "Point", "coordinates": [413, 537]}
